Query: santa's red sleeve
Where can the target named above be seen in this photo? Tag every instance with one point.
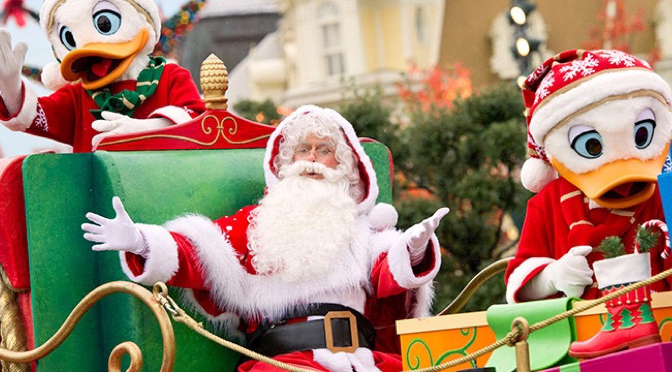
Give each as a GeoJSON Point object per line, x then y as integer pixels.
{"type": "Point", "coordinates": [533, 254]}
{"type": "Point", "coordinates": [184, 100]}
{"type": "Point", "coordinates": [392, 273]}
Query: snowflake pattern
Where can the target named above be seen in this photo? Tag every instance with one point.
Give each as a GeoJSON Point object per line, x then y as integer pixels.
{"type": "Point", "coordinates": [40, 120]}
{"type": "Point", "coordinates": [543, 89]}
{"type": "Point", "coordinates": [667, 167]}
{"type": "Point", "coordinates": [616, 57]}
{"type": "Point", "coordinates": [584, 67]}
{"type": "Point", "coordinates": [538, 73]}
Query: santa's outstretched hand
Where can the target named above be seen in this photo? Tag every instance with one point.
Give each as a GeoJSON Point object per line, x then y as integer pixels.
{"type": "Point", "coordinates": [569, 275]}
{"type": "Point", "coordinates": [419, 235]}
{"type": "Point", "coordinates": [11, 63]}
{"type": "Point", "coordinates": [115, 123]}
{"type": "Point", "coordinates": [118, 234]}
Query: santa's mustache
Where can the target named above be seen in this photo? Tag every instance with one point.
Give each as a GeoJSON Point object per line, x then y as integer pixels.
{"type": "Point", "coordinates": [301, 166]}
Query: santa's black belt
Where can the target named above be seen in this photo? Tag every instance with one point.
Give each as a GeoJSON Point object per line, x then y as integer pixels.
{"type": "Point", "coordinates": [340, 330]}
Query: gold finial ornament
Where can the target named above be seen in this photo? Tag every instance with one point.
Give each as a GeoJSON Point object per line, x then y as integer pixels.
{"type": "Point", "coordinates": [214, 83]}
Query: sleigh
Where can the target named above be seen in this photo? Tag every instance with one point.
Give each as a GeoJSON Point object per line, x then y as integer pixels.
{"type": "Point", "coordinates": [211, 165]}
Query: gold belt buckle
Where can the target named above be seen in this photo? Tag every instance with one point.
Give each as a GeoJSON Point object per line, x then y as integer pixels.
{"type": "Point", "coordinates": [329, 334]}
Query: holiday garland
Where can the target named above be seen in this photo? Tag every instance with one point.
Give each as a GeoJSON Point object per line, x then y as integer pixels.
{"type": "Point", "coordinates": [177, 26]}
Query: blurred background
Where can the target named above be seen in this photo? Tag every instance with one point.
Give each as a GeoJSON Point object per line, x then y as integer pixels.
{"type": "Point", "coordinates": [435, 80]}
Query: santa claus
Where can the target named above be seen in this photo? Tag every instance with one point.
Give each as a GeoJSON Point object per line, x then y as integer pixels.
{"type": "Point", "coordinates": [105, 81]}
{"type": "Point", "coordinates": [314, 255]}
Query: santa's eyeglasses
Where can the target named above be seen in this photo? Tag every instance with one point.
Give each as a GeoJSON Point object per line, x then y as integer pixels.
{"type": "Point", "coordinates": [303, 152]}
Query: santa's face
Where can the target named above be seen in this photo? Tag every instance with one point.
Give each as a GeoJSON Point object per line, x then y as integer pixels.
{"type": "Point", "coordinates": [614, 151]}
{"type": "Point", "coordinates": [303, 223]}
{"type": "Point", "coordinates": [316, 149]}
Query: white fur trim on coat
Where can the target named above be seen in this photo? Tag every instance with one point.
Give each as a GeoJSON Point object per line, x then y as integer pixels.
{"type": "Point", "coordinates": [224, 322]}
{"type": "Point", "coordinates": [177, 115]}
{"type": "Point", "coordinates": [519, 275]}
{"type": "Point", "coordinates": [271, 178]}
{"type": "Point", "coordinates": [399, 261]}
{"type": "Point", "coordinates": [24, 118]}
{"type": "Point", "coordinates": [594, 89]}
{"type": "Point", "coordinates": [251, 296]}
{"type": "Point", "coordinates": [161, 261]}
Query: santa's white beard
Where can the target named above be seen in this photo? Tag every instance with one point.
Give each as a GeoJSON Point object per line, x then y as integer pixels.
{"type": "Point", "coordinates": [302, 224]}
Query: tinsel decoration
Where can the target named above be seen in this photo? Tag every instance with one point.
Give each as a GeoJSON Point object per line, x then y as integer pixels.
{"type": "Point", "coordinates": [16, 9]}
{"type": "Point", "coordinates": [176, 27]}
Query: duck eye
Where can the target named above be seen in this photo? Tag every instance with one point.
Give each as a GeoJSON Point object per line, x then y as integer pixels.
{"type": "Point", "coordinates": [67, 38]}
{"type": "Point", "coordinates": [588, 144]}
{"type": "Point", "coordinates": [107, 22]}
{"type": "Point", "coordinates": [644, 133]}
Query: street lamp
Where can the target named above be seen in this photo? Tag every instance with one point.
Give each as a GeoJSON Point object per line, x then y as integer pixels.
{"type": "Point", "coordinates": [523, 45]}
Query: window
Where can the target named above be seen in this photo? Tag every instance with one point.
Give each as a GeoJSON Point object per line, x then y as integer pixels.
{"type": "Point", "coordinates": [330, 29]}
{"type": "Point", "coordinates": [421, 24]}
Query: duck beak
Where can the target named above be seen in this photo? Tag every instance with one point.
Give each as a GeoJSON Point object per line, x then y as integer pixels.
{"type": "Point", "coordinates": [99, 64]}
{"type": "Point", "coordinates": [620, 184]}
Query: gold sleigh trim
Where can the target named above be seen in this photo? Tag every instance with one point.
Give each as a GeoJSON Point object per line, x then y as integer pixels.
{"type": "Point", "coordinates": [206, 130]}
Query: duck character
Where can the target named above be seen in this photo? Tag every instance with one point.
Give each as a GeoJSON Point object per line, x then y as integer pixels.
{"type": "Point", "coordinates": [105, 81]}
{"type": "Point", "coordinates": [599, 126]}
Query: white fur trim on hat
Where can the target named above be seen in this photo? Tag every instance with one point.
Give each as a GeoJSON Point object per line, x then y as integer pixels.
{"type": "Point", "coordinates": [51, 76]}
{"type": "Point", "coordinates": [591, 90]}
{"type": "Point", "coordinates": [536, 174]}
{"type": "Point", "coordinates": [383, 216]}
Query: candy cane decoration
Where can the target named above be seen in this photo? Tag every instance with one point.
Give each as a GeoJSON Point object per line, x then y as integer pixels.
{"type": "Point", "coordinates": [663, 228]}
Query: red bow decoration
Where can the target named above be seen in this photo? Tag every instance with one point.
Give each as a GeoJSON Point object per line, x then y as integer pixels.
{"type": "Point", "coordinates": [14, 8]}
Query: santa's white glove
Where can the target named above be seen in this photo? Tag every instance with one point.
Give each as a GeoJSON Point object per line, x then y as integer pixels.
{"type": "Point", "coordinates": [570, 275]}
{"type": "Point", "coordinates": [11, 63]}
{"type": "Point", "coordinates": [419, 235]}
{"type": "Point", "coordinates": [118, 234]}
{"type": "Point", "coordinates": [114, 123]}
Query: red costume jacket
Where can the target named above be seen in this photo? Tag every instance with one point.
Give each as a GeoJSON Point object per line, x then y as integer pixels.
{"type": "Point", "coordinates": [64, 115]}
{"type": "Point", "coordinates": [374, 277]}
{"type": "Point", "coordinates": [547, 236]}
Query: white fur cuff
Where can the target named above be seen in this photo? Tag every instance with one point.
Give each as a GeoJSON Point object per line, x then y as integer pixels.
{"type": "Point", "coordinates": [520, 275]}
{"type": "Point", "coordinates": [162, 261]}
{"type": "Point", "coordinates": [173, 113]}
{"type": "Point", "coordinates": [24, 118]}
{"type": "Point", "coordinates": [399, 261]}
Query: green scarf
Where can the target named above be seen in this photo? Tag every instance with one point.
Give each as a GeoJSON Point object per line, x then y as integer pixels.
{"type": "Point", "coordinates": [126, 101]}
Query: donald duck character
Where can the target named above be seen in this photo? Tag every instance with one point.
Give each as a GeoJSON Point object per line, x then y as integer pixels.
{"type": "Point", "coordinates": [105, 81]}
{"type": "Point", "coordinates": [599, 127]}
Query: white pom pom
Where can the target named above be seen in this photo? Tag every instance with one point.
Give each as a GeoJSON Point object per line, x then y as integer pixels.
{"type": "Point", "coordinates": [51, 76]}
{"type": "Point", "coordinates": [536, 174]}
{"type": "Point", "coordinates": [383, 216]}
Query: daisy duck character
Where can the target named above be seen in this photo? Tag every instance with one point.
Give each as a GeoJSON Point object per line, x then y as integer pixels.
{"type": "Point", "coordinates": [105, 81]}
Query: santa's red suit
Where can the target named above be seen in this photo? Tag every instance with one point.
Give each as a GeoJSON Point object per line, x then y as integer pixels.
{"type": "Point", "coordinates": [65, 115]}
{"type": "Point", "coordinates": [556, 221]}
{"type": "Point", "coordinates": [374, 277]}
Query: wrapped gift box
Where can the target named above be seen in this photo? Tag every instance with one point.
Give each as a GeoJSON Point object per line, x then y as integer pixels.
{"type": "Point", "coordinates": [651, 358]}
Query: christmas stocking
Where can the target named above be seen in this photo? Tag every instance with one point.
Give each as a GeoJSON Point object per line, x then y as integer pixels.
{"type": "Point", "coordinates": [630, 321]}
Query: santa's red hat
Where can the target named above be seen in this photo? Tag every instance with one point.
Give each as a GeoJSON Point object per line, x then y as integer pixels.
{"type": "Point", "coordinates": [573, 82]}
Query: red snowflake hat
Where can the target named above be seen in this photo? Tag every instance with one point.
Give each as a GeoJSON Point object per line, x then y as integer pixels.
{"type": "Point", "coordinates": [569, 83]}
